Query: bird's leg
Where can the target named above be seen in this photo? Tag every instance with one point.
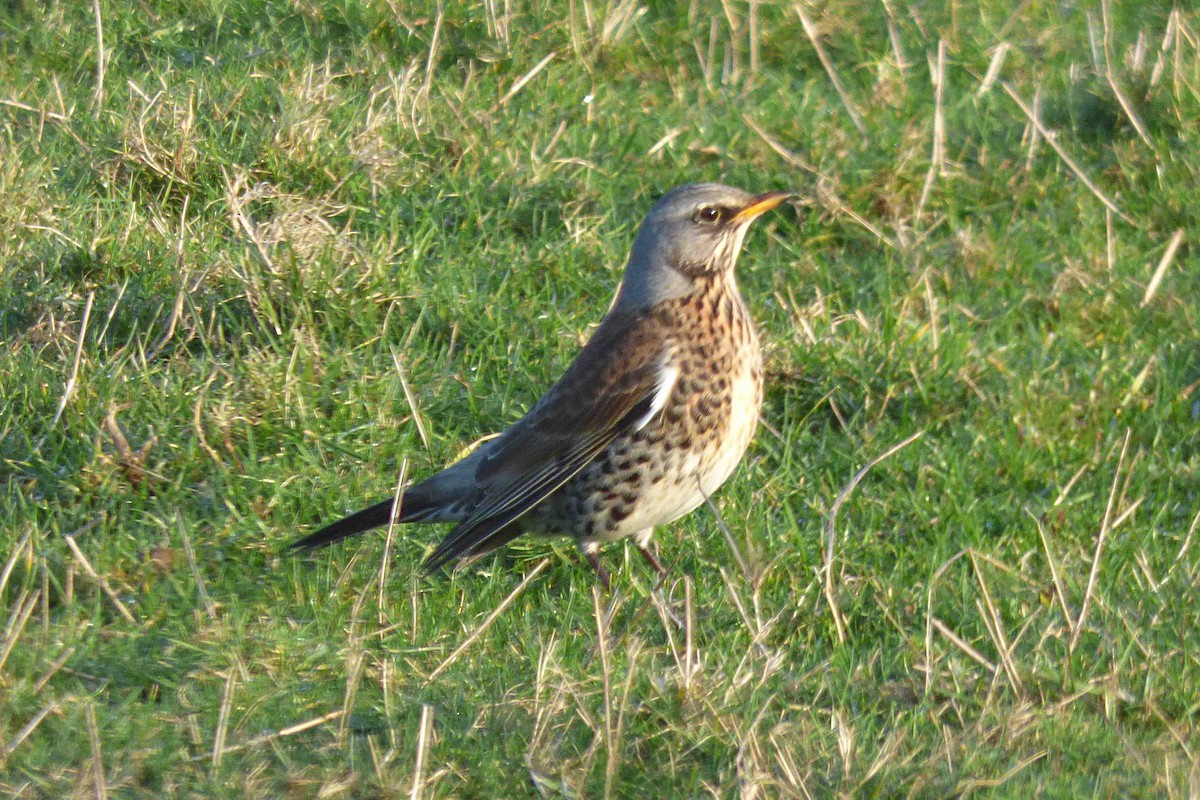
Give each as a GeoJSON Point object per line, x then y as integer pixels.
{"type": "Point", "coordinates": [601, 573]}
{"type": "Point", "coordinates": [649, 555]}
{"type": "Point", "coordinates": [642, 540]}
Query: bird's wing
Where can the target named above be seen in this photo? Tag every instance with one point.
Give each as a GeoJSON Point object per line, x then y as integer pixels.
{"type": "Point", "coordinates": [618, 384]}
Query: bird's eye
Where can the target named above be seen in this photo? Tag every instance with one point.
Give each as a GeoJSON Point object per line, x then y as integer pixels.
{"type": "Point", "coordinates": [708, 214]}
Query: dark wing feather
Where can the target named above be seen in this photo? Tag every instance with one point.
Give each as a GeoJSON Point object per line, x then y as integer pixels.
{"type": "Point", "coordinates": [605, 393]}
{"type": "Point", "coordinates": [476, 531]}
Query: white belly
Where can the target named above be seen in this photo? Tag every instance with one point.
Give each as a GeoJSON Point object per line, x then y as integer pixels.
{"type": "Point", "coordinates": [699, 475]}
{"type": "Point", "coordinates": [747, 398]}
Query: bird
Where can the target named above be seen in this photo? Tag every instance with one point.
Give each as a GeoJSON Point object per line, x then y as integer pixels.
{"type": "Point", "coordinates": [649, 420]}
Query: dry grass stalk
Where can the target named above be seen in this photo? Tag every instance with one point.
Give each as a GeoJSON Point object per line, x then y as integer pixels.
{"type": "Point", "coordinates": [969, 787]}
{"type": "Point", "coordinates": [17, 619]}
{"type": "Point", "coordinates": [893, 26]}
{"type": "Point", "coordinates": [931, 304]}
{"type": "Point", "coordinates": [619, 19]}
{"type": "Point", "coordinates": [424, 734]}
{"type": "Point", "coordinates": [236, 194]}
{"type": "Point", "coordinates": [422, 431]}
{"type": "Point", "coordinates": [602, 646]}
{"type": "Point", "coordinates": [1066, 490]}
{"type": "Point", "coordinates": [101, 62]}
{"type": "Point", "coordinates": [731, 71]}
{"type": "Point", "coordinates": [431, 59]}
{"type": "Point", "coordinates": [671, 135]}
{"type": "Point", "coordinates": [845, 735]}
{"type": "Point", "coordinates": [1127, 513]}
{"type": "Point", "coordinates": [613, 747]}
{"type": "Point", "coordinates": [386, 670]}
{"type": "Point", "coordinates": [829, 198]}
{"type": "Point", "coordinates": [69, 389]}
{"type": "Point", "coordinates": [995, 626]}
{"type": "Point", "coordinates": [222, 729]}
{"type": "Point", "coordinates": [937, 159]}
{"type": "Point", "coordinates": [1163, 263]}
{"type": "Point", "coordinates": [132, 462]}
{"type": "Point", "coordinates": [787, 155]}
{"type": "Point", "coordinates": [1183, 548]}
{"type": "Point", "coordinates": [810, 30]}
{"type": "Point", "coordinates": [831, 531]}
{"type": "Point", "coordinates": [17, 104]}
{"type": "Point", "coordinates": [356, 656]}
{"type": "Point", "coordinates": [197, 420]}
{"type": "Point", "coordinates": [691, 659]}
{"type": "Point", "coordinates": [159, 140]}
{"type": "Point", "coordinates": [1169, 40]}
{"type": "Point", "coordinates": [99, 579]}
{"type": "Point", "coordinates": [499, 25]}
{"type": "Point", "coordinates": [728, 534]}
{"type": "Point", "coordinates": [1139, 381]}
{"type": "Point", "coordinates": [181, 268]}
{"type": "Point", "coordinates": [751, 624]}
{"type": "Point", "coordinates": [21, 552]}
{"type": "Point", "coordinates": [958, 642]}
{"type": "Point", "coordinates": [707, 61]}
{"type": "Point", "coordinates": [390, 538]}
{"type": "Point", "coordinates": [99, 784]}
{"type": "Point", "coordinates": [929, 618]}
{"type": "Point", "coordinates": [753, 34]}
{"type": "Point", "coordinates": [1110, 243]}
{"type": "Point", "coordinates": [11, 745]}
{"type": "Point", "coordinates": [53, 669]}
{"type": "Point", "coordinates": [999, 53]}
{"type": "Point", "coordinates": [397, 108]}
{"type": "Point", "coordinates": [1060, 592]}
{"type": "Point", "coordinates": [291, 730]}
{"type": "Point", "coordinates": [1105, 529]}
{"type": "Point", "coordinates": [1110, 76]}
{"type": "Point", "coordinates": [301, 224]}
{"type": "Point", "coordinates": [1052, 140]}
{"type": "Point", "coordinates": [1035, 137]}
{"type": "Point", "coordinates": [492, 617]}
{"type": "Point", "coordinates": [524, 79]}
{"type": "Point", "coordinates": [189, 552]}
{"type": "Point", "coordinates": [550, 701]}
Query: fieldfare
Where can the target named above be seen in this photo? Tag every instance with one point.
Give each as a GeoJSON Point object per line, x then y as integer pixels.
{"type": "Point", "coordinates": [648, 421]}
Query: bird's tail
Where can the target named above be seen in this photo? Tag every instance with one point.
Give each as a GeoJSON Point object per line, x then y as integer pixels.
{"type": "Point", "coordinates": [415, 506]}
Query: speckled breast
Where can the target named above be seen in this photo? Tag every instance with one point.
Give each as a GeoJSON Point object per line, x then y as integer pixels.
{"type": "Point", "coordinates": [666, 469]}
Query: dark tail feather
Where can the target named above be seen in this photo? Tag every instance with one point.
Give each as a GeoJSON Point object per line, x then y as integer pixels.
{"type": "Point", "coordinates": [356, 523]}
{"type": "Point", "coordinates": [417, 503]}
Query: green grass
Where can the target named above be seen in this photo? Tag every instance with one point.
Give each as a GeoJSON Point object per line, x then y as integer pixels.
{"type": "Point", "coordinates": [267, 207]}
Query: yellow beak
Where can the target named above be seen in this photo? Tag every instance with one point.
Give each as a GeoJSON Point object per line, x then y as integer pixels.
{"type": "Point", "coordinates": [760, 204]}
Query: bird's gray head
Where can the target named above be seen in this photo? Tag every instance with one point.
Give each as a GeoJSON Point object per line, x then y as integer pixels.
{"type": "Point", "coordinates": [692, 232]}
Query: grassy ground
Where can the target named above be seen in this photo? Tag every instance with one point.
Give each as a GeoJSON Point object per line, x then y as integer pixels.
{"type": "Point", "coordinates": [233, 233]}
